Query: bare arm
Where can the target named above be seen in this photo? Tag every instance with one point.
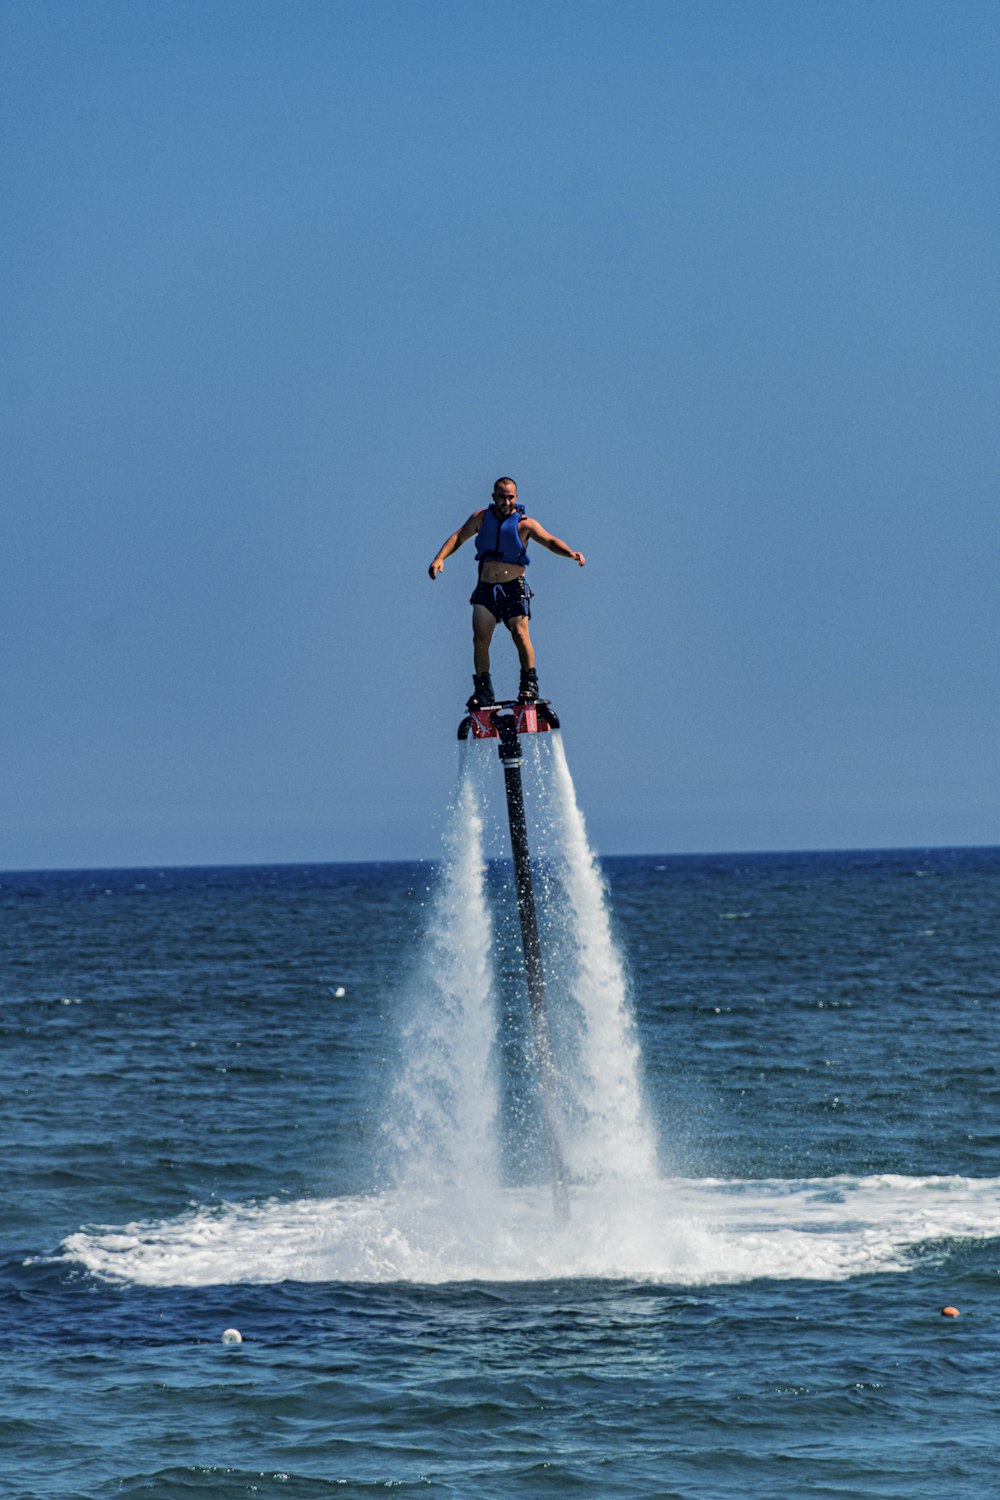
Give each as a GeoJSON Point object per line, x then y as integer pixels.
{"type": "Point", "coordinates": [455, 541]}
{"type": "Point", "coordinates": [537, 532]}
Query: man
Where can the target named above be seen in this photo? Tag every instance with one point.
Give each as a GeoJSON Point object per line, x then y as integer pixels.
{"type": "Point", "coordinates": [502, 533]}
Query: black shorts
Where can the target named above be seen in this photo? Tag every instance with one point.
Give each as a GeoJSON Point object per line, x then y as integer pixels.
{"type": "Point", "coordinates": [505, 601]}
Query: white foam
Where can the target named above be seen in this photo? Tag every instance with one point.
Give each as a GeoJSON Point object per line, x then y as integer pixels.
{"type": "Point", "coordinates": [683, 1232]}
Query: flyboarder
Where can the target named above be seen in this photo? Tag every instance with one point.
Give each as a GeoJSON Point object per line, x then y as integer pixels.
{"type": "Point", "coordinates": [503, 532]}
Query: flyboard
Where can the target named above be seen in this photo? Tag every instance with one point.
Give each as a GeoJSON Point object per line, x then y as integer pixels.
{"type": "Point", "coordinates": [507, 721]}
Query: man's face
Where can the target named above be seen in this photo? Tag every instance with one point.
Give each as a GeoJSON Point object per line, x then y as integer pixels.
{"type": "Point", "coordinates": [505, 499]}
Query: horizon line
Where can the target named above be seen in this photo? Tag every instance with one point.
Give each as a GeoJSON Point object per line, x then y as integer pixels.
{"type": "Point", "coordinates": [322, 864]}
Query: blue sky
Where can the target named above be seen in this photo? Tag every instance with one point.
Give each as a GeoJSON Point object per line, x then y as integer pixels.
{"type": "Point", "coordinates": [286, 285]}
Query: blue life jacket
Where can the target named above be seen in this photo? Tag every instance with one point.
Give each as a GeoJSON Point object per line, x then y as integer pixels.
{"type": "Point", "coordinates": [499, 541]}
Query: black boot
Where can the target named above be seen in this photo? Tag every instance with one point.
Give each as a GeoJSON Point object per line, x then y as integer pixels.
{"type": "Point", "coordinates": [529, 685]}
{"type": "Point", "coordinates": [482, 692]}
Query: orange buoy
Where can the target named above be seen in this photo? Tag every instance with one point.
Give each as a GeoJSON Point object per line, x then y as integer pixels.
{"type": "Point", "coordinates": [950, 1312]}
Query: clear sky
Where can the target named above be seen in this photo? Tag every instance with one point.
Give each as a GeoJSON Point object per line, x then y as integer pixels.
{"type": "Point", "coordinates": [287, 284]}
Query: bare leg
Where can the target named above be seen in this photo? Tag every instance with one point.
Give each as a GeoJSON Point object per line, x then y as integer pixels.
{"type": "Point", "coordinates": [483, 625]}
{"type": "Point", "coordinates": [522, 640]}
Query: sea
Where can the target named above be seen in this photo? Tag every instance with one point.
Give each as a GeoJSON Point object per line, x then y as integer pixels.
{"type": "Point", "coordinates": [278, 1210]}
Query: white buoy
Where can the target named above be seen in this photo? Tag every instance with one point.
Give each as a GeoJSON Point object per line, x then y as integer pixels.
{"type": "Point", "coordinates": [232, 1336]}
{"type": "Point", "coordinates": [340, 992]}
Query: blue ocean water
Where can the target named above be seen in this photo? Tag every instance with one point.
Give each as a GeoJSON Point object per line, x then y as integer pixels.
{"type": "Point", "coordinates": [300, 1102]}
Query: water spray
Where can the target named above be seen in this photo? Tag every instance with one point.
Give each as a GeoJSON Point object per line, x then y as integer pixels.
{"type": "Point", "coordinates": [507, 722]}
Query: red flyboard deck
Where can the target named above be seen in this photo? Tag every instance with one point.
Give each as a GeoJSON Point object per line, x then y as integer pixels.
{"type": "Point", "coordinates": [529, 718]}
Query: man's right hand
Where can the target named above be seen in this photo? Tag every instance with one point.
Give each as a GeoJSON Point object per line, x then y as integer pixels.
{"type": "Point", "coordinates": [435, 568]}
